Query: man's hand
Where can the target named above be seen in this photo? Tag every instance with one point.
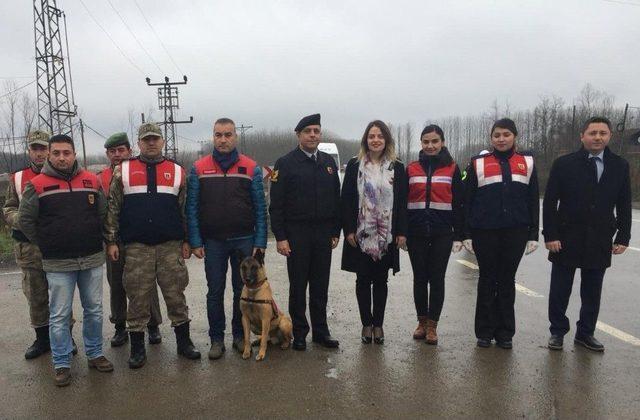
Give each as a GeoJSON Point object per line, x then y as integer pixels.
{"type": "Point", "coordinates": [553, 246]}
{"type": "Point", "coordinates": [351, 239]}
{"type": "Point", "coordinates": [113, 251]}
{"type": "Point", "coordinates": [186, 250]}
{"type": "Point", "coordinates": [334, 242]}
{"type": "Point", "coordinates": [198, 252]}
{"type": "Point", "coordinates": [283, 248]}
{"type": "Point", "coordinates": [618, 249]}
{"type": "Point", "coordinates": [401, 242]}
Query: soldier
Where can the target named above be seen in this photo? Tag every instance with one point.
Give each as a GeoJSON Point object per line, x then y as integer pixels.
{"type": "Point", "coordinates": [118, 149]}
{"type": "Point", "coordinates": [146, 213]}
{"type": "Point", "coordinates": [305, 219]}
{"type": "Point", "coordinates": [61, 211]}
{"type": "Point", "coordinates": [28, 257]}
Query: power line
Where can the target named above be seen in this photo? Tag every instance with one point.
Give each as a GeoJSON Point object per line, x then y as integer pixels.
{"type": "Point", "coordinates": [134, 36]}
{"type": "Point", "coordinates": [17, 89]}
{"type": "Point", "coordinates": [158, 37]}
{"type": "Point", "coordinates": [623, 2]}
{"type": "Point", "coordinates": [92, 129]}
{"type": "Point", "coordinates": [111, 39]}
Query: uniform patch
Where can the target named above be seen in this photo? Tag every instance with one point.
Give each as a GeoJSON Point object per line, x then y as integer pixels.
{"type": "Point", "coordinates": [330, 170]}
{"type": "Point", "coordinates": [274, 176]}
{"type": "Point", "coordinates": [87, 183]}
{"type": "Point", "coordinates": [167, 175]}
{"type": "Point", "coordinates": [521, 166]}
{"type": "Point", "coordinates": [92, 199]}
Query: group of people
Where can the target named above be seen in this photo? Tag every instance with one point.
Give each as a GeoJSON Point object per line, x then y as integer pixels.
{"type": "Point", "coordinates": [147, 215]}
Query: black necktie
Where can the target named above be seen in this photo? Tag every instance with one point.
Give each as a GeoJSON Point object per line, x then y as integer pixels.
{"type": "Point", "coordinates": [594, 162]}
{"type": "Point", "coordinates": [314, 158]}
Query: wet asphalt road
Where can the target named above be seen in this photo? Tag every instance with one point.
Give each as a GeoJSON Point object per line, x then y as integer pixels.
{"type": "Point", "coordinates": [403, 378]}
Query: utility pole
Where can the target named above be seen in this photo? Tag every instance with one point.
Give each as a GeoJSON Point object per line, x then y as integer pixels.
{"type": "Point", "coordinates": [167, 102]}
{"type": "Point", "coordinates": [56, 108]}
{"type": "Point", "coordinates": [84, 150]}
{"type": "Point", "coordinates": [243, 128]}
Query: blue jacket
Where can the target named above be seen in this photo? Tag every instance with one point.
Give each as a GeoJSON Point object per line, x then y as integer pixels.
{"type": "Point", "coordinates": [224, 205]}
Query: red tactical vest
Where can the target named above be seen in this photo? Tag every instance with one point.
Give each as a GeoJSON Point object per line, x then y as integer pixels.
{"type": "Point", "coordinates": [20, 180]}
{"type": "Point", "coordinates": [105, 180]}
{"type": "Point", "coordinates": [489, 172]}
{"type": "Point", "coordinates": [441, 196]}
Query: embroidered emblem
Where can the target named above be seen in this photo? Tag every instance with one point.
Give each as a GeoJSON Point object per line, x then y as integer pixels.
{"type": "Point", "coordinates": [521, 166]}
{"type": "Point", "coordinates": [92, 199]}
{"type": "Point", "coordinates": [274, 176]}
{"type": "Point", "coordinates": [167, 176]}
{"type": "Point", "coordinates": [87, 183]}
{"type": "Point", "coordinates": [330, 170]}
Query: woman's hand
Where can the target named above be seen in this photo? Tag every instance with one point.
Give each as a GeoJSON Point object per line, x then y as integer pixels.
{"type": "Point", "coordinates": [401, 242]}
{"type": "Point", "coordinates": [351, 238]}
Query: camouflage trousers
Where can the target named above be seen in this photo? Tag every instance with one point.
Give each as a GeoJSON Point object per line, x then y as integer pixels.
{"type": "Point", "coordinates": [34, 282]}
{"type": "Point", "coordinates": [144, 264]}
{"type": "Point", "coordinates": [118, 296]}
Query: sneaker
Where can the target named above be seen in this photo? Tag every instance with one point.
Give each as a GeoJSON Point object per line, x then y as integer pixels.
{"type": "Point", "coordinates": [63, 376]}
{"type": "Point", "coordinates": [216, 351]}
{"type": "Point", "coordinates": [101, 364]}
{"type": "Point", "coordinates": [555, 342]}
{"type": "Point", "coordinates": [238, 344]}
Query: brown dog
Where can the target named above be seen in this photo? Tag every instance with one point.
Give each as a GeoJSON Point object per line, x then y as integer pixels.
{"type": "Point", "coordinates": [259, 311]}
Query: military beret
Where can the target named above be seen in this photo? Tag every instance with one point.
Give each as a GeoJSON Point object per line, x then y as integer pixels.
{"type": "Point", "coordinates": [149, 129]}
{"type": "Point", "coordinates": [117, 139]}
{"type": "Point", "coordinates": [306, 121]}
{"type": "Point", "coordinates": [38, 137]}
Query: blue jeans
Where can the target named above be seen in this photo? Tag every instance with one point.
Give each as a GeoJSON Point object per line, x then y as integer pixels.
{"type": "Point", "coordinates": [216, 262]}
{"type": "Point", "coordinates": [62, 286]}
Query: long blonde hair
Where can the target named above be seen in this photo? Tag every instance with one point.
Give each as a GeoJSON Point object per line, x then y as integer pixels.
{"type": "Point", "coordinates": [389, 144]}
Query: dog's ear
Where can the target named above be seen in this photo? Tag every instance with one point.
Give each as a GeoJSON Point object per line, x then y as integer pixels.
{"type": "Point", "coordinates": [259, 256]}
{"type": "Point", "coordinates": [239, 255]}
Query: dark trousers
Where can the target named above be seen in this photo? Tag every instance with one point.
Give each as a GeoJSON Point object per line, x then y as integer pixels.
{"type": "Point", "coordinates": [118, 297]}
{"type": "Point", "coordinates": [309, 263]}
{"type": "Point", "coordinates": [429, 259]}
{"type": "Point", "coordinates": [371, 281]}
{"type": "Point", "coordinates": [499, 252]}
{"type": "Point", "coordinates": [590, 291]}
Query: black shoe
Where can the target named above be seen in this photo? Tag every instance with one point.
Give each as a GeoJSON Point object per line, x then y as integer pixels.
{"type": "Point", "coordinates": [41, 345]}
{"type": "Point", "coordinates": [589, 342]}
{"type": "Point", "coordinates": [555, 342]}
{"type": "Point", "coordinates": [367, 334]}
{"type": "Point", "coordinates": [327, 341]}
{"type": "Point", "coordinates": [299, 344]}
{"type": "Point", "coordinates": [484, 342]}
{"type": "Point", "coordinates": [120, 337]}
{"type": "Point", "coordinates": [138, 355]}
{"type": "Point", "coordinates": [154, 335]}
{"type": "Point", "coordinates": [185, 345]}
{"type": "Point", "coordinates": [507, 344]}
{"type": "Point", "coordinates": [378, 335]}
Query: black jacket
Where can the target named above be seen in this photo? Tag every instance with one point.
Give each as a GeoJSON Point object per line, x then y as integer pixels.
{"type": "Point", "coordinates": [304, 191]}
{"type": "Point", "coordinates": [579, 211]}
{"type": "Point", "coordinates": [353, 258]}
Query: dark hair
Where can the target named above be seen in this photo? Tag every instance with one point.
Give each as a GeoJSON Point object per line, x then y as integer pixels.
{"type": "Point", "coordinates": [62, 138]}
{"type": "Point", "coordinates": [595, 120]}
{"type": "Point", "coordinates": [507, 124]}
{"type": "Point", "coordinates": [224, 120]}
{"type": "Point", "coordinates": [433, 128]}
{"type": "Point", "coordinates": [389, 144]}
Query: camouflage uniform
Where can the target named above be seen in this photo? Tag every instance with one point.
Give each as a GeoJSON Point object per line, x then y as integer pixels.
{"type": "Point", "coordinates": [146, 263]}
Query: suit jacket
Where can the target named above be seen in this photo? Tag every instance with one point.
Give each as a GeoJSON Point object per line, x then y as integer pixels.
{"type": "Point", "coordinates": [579, 211]}
{"type": "Point", "coordinates": [353, 258]}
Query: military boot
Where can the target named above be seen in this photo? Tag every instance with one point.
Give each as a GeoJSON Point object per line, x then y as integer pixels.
{"type": "Point", "coordinates": [120, 337]}
{"type": "Point", "coordinates": [41, 345]}
{"type": "Point", "coordinates": [138, 355]}
{"type": "Point", "coordinates": [185, 345]}
{"type": "Point", "coordinates": [154, 334]}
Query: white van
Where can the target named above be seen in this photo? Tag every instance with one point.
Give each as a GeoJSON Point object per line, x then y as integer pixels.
{"type": "Point", "coordinates": [332, 149]}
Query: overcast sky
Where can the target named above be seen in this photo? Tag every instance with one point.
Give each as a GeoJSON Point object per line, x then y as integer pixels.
{"type": "Point", "coordinates": [267, 63]}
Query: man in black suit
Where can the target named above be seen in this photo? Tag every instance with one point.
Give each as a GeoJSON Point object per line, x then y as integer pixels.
{"type": "Point", "coordinates": [583, 190]}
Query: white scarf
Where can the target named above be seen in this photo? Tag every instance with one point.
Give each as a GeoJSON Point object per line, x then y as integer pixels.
{"type": "Point", "coordinates": [375, 190]}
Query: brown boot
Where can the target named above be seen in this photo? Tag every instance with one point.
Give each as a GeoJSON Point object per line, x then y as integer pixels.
{"type": "Point", "coordinates": [63, 376]}
{"type": "Point", "coordinates": [101, 364]}
{"type": "Point", "coordinates": [432, 335]}
{"type": "Point", "coordinates": [420, 333]}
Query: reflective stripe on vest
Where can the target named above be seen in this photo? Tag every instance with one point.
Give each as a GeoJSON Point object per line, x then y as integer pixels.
{"type": "Point", "coordinates": [441, 197]}
{"type": "Point", "coordinates": [84, 181]}
{"type": "Point", "coordinates": [489, 171]}
{"type": "Point", "coordinates": [134, 177]}
{"type": "Point", "coordinates": [20, 180]}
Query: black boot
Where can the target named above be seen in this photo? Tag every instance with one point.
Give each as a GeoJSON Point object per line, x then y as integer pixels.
{"type": "Point", "coordinates": [41, 345]}
{"type": "Point", "coordinates": [185, 345]}
{"type": "Point", "coordinates": [120, 336]}
{"type": "Point", "coordinates": [154, 334]}
{"type": "Point", "coordinates": [138, 355]}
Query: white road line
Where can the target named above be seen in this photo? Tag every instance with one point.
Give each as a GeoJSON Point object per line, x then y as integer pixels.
{"type": "Point", "coordinates": [606, 328]}
{"type": "Point", "coordinates": [11, 273]}
{"type": "Point", "coordinates": [636, 220]}
{"type": "Point", "coordinates": [633, 248]}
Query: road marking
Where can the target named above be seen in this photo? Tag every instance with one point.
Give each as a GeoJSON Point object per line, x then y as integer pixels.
{"type": "Point", "coordinates": [606, 328]}
{"type": "Point", "coordinates": [620, 335]}
{"type": "Point", "coordinates": [633, 248]}
{"type": "Point", "coordinates": [11, 273]}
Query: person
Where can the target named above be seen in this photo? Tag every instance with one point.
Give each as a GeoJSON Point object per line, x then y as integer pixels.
{"type": "Point", "coordinates": [305, 219]}
{"type": "Point", "coordinates": [436, 226]}
{"type": "Point", "coordinates": [61, 211]}
{"type": "Point", "coordinates": [146, 212]}
{"type": "Point", "coordinates": [374, 220]}
{"type": "Point", "coordinates": [584, 189]}
{"type": "Point", "coordinates": [502, 211]}
{"type": "Point", "coordinates": [118, 148]}
{"type": "Point", "coordinates": [226, 212]}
